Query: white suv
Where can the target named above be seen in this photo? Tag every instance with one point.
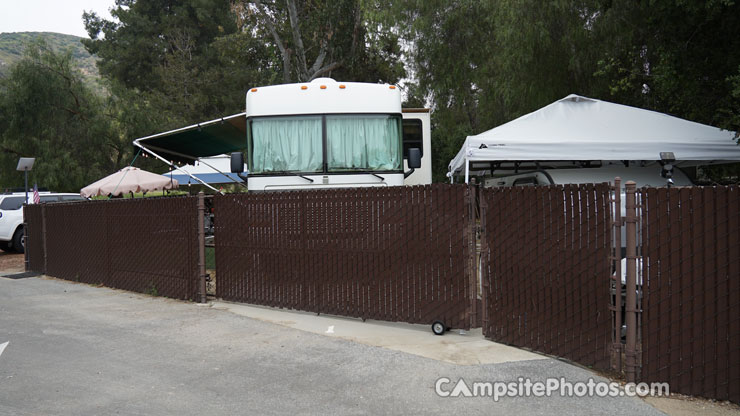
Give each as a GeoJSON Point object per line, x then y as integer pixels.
{"type": "Point", "coordinates": [11, 216]}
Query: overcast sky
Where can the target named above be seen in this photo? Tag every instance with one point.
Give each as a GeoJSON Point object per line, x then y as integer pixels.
{"type": "Point", "coordinates": [61, 16]}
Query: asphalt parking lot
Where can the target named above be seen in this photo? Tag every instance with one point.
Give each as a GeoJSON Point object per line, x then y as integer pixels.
{"type": "Point", "coordinates": [75, 349]}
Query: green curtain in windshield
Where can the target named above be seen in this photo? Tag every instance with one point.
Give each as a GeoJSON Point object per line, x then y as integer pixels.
{"type": "Point", "coordinates": [286, 145]}
{"type": "Point", "coordinates": [363, 143]}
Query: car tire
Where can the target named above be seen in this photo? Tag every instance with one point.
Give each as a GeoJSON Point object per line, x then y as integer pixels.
{"type": "Point", "coordinates": [18, 243]}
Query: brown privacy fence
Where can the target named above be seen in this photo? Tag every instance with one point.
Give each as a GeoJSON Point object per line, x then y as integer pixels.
{"type": "Point", "coordinates": [410, 254]}
{"type": "Point", "coordinates": [691, 306]}
{"type": "Point", "coordinates": [394, 254]}
{"type": "Point", "coordinates": [143, 245]}
{"type": "Point", "coordinates": [545, 270]}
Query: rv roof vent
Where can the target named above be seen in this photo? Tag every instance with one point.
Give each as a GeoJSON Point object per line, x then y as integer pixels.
{"type": "Point", "coordinates": [323, 81]}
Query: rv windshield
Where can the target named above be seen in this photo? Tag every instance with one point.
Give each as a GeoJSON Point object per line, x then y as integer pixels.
{"type": "Point", "coordinates": [286, 144]}
{"type": "Point", "coordinates": [351, 143]}
{"type": "Point", "coordinates": [368, 142]}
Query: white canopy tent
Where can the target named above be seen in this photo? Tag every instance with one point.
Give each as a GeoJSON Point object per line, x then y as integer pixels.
{"type": "Point", "coordinates": [577, 128]}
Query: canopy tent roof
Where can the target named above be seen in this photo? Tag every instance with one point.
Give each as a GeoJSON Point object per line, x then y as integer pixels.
{"type": "Point", "coordinates": [210, 138]}
{"type": "Point", "coordinates": [212, 170]}
{"type": "Point", "coordinates": [578, 128]}
{"type": "Point", "coordinates": [128, 179]}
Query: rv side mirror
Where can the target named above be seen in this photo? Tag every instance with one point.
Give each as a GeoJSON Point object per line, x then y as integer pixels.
{"type": "Point", "coordinates": [237, 162]}
{"type": "Point", "coordinates": [414, 159]}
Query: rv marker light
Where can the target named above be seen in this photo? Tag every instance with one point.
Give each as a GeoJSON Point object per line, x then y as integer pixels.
{"type": "Point", "coordinates": [303, 87]}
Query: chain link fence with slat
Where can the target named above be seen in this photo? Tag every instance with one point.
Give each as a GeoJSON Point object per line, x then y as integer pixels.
{"type": "Point", "coordinates": [143, 245]}
{"type": "Point", "coordinates": [691, 315]}
{"type": "Point", "coordinates": [393, 254]}
{"type": "Point", "coordinates": [546, 270]}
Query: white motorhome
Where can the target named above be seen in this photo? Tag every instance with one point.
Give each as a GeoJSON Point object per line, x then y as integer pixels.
{"type": "Point", "coordinates": [320, 134]}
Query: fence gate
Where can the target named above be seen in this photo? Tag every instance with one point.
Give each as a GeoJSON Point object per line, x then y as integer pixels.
{"type": "Point", "coordinates": [393, 254]}
{"type": "Point", "coordinates": [691, 268]}
{"type": "Point", "coordinates": [545, 269]}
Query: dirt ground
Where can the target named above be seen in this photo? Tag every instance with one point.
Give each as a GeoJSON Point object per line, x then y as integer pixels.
{"type": "Point", "coordinates": [11, 262]}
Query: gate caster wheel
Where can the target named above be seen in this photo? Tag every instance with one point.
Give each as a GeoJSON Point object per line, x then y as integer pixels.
{"type": "Point", "coordinates": [439, 328]}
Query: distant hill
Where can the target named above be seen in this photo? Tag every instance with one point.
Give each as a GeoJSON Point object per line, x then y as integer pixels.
{"type": "Point", "coordinates": [13, 44]}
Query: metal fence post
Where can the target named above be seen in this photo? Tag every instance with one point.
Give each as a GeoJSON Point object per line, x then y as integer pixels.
{"type": "Point", "coordinates": [617, 341]}
{"type": "Point", "coordinates": [483, 262]}
{"type": "Point", "coordinates": [43, 235]}
{"type": "Point", "coordinates": [25, 241]}
{"type": "Point", "coordinates": [201, 247]}
{"type": "Point", "coordinates": [631, 284]}
{"type": "Point", "coordinates": [472, 257]}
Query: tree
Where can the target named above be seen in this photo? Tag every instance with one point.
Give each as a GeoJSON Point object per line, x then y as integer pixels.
{"type": "Point", "coordinates": [129, 115]}
{"type": "Point", "coordinates": [317, 38]}
{"type": "Point", "coordinates": [47, 112]}
{"type": "Point", "coordinates": [148, 31]}
{"type": "Point", "coordinates": [673, 56]}
{"type": "Point", "coordinates": [481, 64]}
{"type": "Point", "coordinates": [184, 58]}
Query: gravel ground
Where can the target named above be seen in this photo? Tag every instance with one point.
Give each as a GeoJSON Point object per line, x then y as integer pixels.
{"type": "Point", "coordinates": [81, 350]}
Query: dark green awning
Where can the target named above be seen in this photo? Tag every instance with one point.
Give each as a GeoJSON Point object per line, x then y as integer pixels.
{"type": "Point", "coordinates": [211, 138]}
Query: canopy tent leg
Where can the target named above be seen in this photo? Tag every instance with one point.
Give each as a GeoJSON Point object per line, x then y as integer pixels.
{"type": "Point", "coordinates": [467, 170]}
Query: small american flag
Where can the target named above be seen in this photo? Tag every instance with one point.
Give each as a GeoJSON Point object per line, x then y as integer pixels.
{"type": "Point", "coordinates": [36, 197]}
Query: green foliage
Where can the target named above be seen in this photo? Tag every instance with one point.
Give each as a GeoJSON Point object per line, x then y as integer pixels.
{"type": "Point", "coordinates": [724, 174]}
{"type": "Point", "coordinates": [210, 258]}
{"type": "Point", "coordinates": [730, 114]}
{"type": "Point", "coordinates": [478, 64]}
{"type": "Point", "coordinates": [190, 93]}
{"type": "Point", "coordinates": [481, 64]}
{"type": "Point", "coordinates": [131, 115]}
{"type": "Point", "coordinates": [673, 56]}
{"type": "Point", "coordinates": [149, 31]}
{"type": "Point", "coordinates": [310, 39]}
{"type": "Point", "coordinates": [77, 135]}
{"type": "Point", "coordinates": [185, 59]}
{"type": "Point", "coordinates": [195, 60]}
{"type": "Point", "coordinates": [48, 112]}
{"type": "Point", "coordinates": [151, 290]}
